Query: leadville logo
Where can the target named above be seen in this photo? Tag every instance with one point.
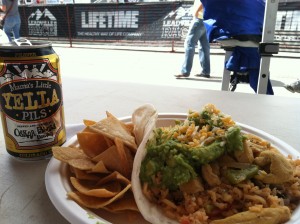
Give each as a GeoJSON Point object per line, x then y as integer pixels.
{"type": "Point", "coordinates": [42, 24]}
{"type": "Point", "coordinates": [176, 23]}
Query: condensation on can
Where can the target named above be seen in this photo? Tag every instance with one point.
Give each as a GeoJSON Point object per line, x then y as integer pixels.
{"type": "Point", "coordinates": [31, 100]}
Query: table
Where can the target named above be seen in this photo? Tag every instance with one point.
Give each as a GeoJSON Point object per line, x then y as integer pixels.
{"type": "Point", "coordinates": [23, 194]}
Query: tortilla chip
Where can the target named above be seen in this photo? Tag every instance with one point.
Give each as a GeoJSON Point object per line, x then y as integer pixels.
{"type": "Point", "coordinates": [99, 168]}
{"type": "Point", "coordinates": [109, 142]}
{"type": "Point", "coordinates": [95, 202]}
{"type": "Point", "coordinates": [111, 159]}
{"type": "Point", "coordinates": [82, 175]}
{"type": "Point", "coordinates": [130, 158]}
{"type": "Point", "coordinates": [130, 127]}
{"type": "Point", "coordinates": [102, 164]}
{"type": "Point", "coordinates": [110, 115]}
{"type": "Point", "coordinates": [112, 127]}
{"type": "Point", "coordinates": [89, 122]}
{"type": "Point", "coordinates": [81, 164]}
{"type": "Point", "coordinates": [106, 191]}
{"type": "Point", "coordinates": [126, 203]}
{"type": "Point", "coordinates": [92, 143]}
{"type": "Point", "coordinates": [114, 176]}
{"type": "Point", "coordinates": [66, 154]}
{"type": "Point", "coordinates": [123, 158]}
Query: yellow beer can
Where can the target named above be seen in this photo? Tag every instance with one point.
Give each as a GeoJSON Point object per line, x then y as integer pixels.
{"type": "Point", "coordinates": [31, 99]}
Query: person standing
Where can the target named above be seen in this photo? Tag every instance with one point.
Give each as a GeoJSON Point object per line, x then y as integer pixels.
{"type": "Point", "coordinates": [12, 21]}
{"type": "Point", "coordinates": [197, 32]}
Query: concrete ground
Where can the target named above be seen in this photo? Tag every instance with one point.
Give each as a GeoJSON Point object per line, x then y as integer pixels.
{"type": "Point", "coordinates": [158, 67]}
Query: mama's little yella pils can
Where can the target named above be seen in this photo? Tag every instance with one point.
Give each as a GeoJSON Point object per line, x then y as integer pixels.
{"type": "Point", "coordinates": [31, 99]}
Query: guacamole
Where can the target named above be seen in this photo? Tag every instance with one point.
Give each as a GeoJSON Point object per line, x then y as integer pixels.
{"type": "Point", "coordinates": [175, 154]}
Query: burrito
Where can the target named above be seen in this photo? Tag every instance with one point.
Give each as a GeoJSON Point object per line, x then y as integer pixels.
{"type": "Point", "coordinates": [206, 170]}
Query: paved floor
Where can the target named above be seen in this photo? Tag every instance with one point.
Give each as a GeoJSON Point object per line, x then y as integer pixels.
{"type": "Point", "coordinates": [158, 67]}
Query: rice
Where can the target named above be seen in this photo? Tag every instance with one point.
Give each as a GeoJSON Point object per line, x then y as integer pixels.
{"type": "Point", "coordinates": [219, 198]}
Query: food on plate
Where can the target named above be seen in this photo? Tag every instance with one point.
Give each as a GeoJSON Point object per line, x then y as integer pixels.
{"type": "Point", "coordinates": [206, 170]}
{"type": "Point", "coordinates": [101, 160]}
{"type": "Point", "coordinates": [112, 128]}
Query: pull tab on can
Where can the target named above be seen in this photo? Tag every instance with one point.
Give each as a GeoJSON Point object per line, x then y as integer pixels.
{"type": "Point", "coordinates": [22, 42]}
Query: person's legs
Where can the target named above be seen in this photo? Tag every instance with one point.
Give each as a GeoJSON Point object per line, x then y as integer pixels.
{"type": "Point", "coordinates": [190, 43]}
{"type": "Point", "coordinates": [204, 50]}
{"type": "Point", "coordinates": [8, 26]}
{"type": "Point", "coordinates": [12, 25]}
{"type": "Point", "coordinates": [16, 28]}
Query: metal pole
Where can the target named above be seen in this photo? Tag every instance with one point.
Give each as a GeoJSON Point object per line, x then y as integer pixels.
{"type": "Point", "coordinates": [226, 73]}
{"type": "Point", "coordinates": [69, 21]}
{"type": "Point", "coordinates": [271, 8]}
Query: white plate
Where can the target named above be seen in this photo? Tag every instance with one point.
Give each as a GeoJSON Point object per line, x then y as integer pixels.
{"type": "Point", "coordinates": [57, 180]}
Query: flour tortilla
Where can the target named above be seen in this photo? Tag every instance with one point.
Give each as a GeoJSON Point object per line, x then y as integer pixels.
{"type": "Point", "coordinates": [151, 212]}
{"type": "Point", "coordinates": [140, 119]}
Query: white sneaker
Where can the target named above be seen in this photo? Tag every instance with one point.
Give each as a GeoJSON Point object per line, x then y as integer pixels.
{"type": "Point", "coordinates": [293, 87]}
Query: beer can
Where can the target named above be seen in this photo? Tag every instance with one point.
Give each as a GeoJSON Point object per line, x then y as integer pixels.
{"type": "Point", "coordinates": [31, 99]}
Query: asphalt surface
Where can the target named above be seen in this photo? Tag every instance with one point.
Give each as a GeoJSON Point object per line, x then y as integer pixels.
{"type": "Point", "coordinates": [157, 66]}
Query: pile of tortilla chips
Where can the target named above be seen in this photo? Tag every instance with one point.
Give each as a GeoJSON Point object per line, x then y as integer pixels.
{"type": "Point", "coordinates": [101, 164]}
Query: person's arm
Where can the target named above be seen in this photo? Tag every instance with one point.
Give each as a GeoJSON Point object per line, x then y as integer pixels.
{"type": "Point", "coordinates": [197, 7]}
{"type": "Point", "coordinates": [3, 8]}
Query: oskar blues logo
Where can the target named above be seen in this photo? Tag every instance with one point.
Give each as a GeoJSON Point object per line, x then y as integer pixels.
{"type": "Point", "coordinates": [176, 23]}
{"type": "Point", "coordinates": [42, 23]}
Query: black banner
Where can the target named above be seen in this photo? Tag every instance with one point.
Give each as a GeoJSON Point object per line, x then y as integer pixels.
{"type": "Point", "coordinates": [159, 21]}
{"type": "Point", "coordinates": [133, 21]}
{"type": "Point", "coordinates": [130, 21]}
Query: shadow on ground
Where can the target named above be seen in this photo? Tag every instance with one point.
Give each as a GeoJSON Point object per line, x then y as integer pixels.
{"type": "Point", "coordinates": [211, 79]}
{"type": "Point", "coordinates": [277, 83]}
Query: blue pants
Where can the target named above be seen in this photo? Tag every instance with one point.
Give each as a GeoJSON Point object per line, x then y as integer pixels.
{"type": "Point", "coordinates": [12, 24]}
{"type": "Point", "coordinates": [197, 32]}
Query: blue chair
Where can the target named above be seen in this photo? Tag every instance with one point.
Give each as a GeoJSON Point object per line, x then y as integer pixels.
{"type": "Point", "coordinates": [238, 26]}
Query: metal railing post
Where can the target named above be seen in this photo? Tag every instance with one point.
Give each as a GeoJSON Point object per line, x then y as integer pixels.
{"type": "Point", "coordinates": [69, 25]}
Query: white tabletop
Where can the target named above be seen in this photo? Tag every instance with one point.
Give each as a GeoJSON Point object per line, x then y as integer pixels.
{"type": "Point", "coordinates": [23, 194]}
